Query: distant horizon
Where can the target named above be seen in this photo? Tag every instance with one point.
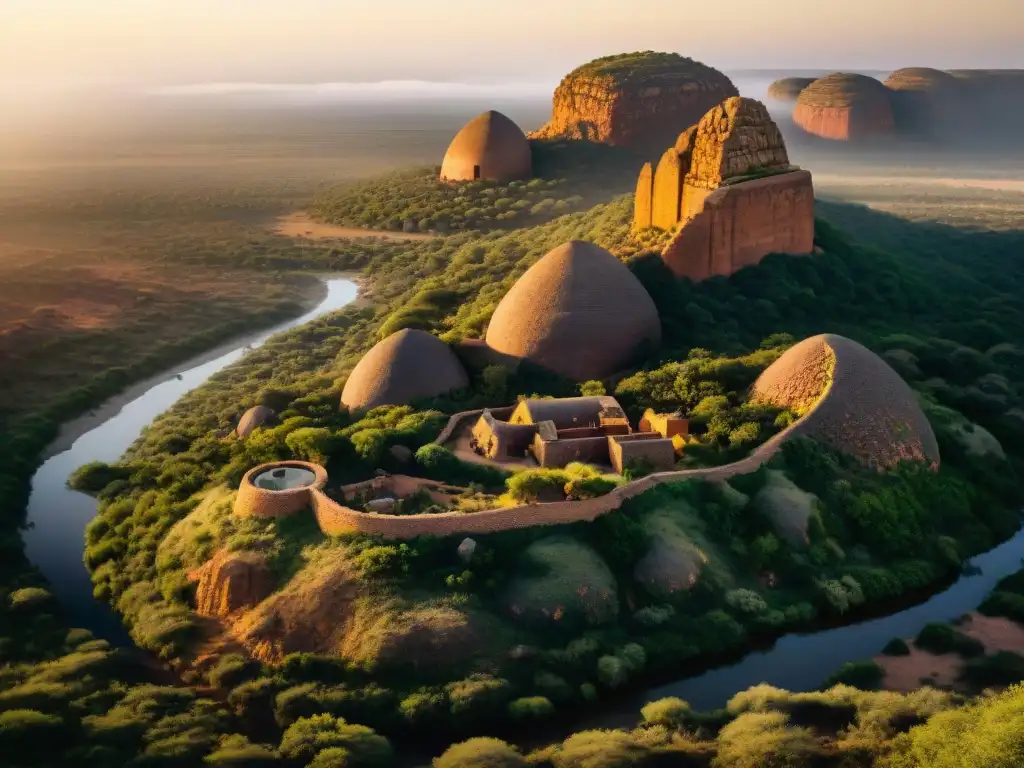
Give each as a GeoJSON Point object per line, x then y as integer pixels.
{"type": "Point", "coordinates": [76, 46]}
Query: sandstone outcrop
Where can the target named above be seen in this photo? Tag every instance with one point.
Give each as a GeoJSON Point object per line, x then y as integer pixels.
{"type": "Point", "coordinates": [845, 107]}
{"type": "Point", "coordinates": [231, 581]}
{"type": "Point", "coordinates": [634, 100]}
{"type": "Point", "coordinates": [728, 182]}
{"type": "Point", "coordinates": [788, 88]}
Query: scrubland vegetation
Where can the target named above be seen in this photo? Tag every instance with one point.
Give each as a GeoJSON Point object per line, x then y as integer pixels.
{"type": "Point", "coordinates": [542, 623]}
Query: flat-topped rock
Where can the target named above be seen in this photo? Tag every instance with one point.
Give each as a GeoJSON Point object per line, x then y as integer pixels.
{"type": "Point", "coordinates": [635, 99]}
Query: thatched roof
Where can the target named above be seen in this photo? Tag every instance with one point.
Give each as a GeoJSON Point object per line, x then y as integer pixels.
{"type": "Point", "coordinates": [256, 416]}
{"type": "Point", "coordinates": [857, 403]}
{"type": "Point", "coordinates": [843, 89]}
{"type": "Point", "coordinates": [578, 311]}
{"type": "Point", "coordinates": [408, 364]}
{"type": "Point", "coordinates": [495, 144]}
{"type": "Point", "coordinates": [788, 88]}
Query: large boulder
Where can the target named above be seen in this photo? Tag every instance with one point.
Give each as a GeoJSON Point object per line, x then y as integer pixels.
{"type": "Point", "coordinates": [928, 102]}
{"type": "Point", "coordinates": [407, 365]}
{"type": "Point", "coordinates": [634, 99]}
{"type": "Point", "coordinates": [579, 312]}
{"type": "Point", "coordinates": [845, 107]}
{"type": "Point", "coordinates": [851, 400]}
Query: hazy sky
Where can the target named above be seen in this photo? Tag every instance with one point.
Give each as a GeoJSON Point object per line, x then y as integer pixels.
{"type": "Point", "coordinates": [166, 42]}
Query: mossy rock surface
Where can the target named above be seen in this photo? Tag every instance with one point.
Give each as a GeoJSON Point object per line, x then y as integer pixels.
{"type": "Point", "coordinates": [561, 579]}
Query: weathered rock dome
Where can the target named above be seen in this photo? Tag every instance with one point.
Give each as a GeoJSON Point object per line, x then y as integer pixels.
{"type": "Point", "coordinates": [579, 312]}
{"type": "Point", "coordinates": [845, 106]}
{"type": "Point", "coordinates": [490, 147]}
{"type": "Point", "coordinates": [256, 416]}
{"type": "Point", "coordinates": [919, 79]}
{"type": "Point", "coordinates": [408, 364]}
{"type": "Point", "coordinates": [788, 88]}
{"type": "Point", "coordinates": [927, 101]}
{"type": "Point", "coordinates": [852, 401]}
{"type": "Point", "coordinates": [642, 99]}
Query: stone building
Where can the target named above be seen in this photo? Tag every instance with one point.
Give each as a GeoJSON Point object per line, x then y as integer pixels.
{"type": "Point", "coordinates": [489, 147]}
{"type": "Point", "coordinates": [578, 312]}
{"type": "Point", "coordinates": [665, 424]}
{"type": "Point", "coordinates": [728, 192]}
{"type": "Point", "coordinates": [559, 431]}
{"type": "Point", "coordinates": [407, 365]}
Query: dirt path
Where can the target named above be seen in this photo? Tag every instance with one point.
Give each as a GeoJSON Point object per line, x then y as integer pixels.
{"type": "Point", "coordinates": [299, 224]}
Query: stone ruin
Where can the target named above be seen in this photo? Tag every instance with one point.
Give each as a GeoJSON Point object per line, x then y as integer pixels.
{"type": "Point", "coordinates": [728, 192]}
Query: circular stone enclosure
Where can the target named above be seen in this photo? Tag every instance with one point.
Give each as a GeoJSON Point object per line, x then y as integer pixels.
{"type": "Point", "coordinates": [278, 489]}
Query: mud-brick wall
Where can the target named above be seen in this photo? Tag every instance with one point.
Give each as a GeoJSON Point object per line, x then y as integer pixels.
{"type": "Point", "coordinates": [561, 452]}
{"type": "Point", "coordinates": [740, 224]}
{"type": "Point", "coordinates": [657, 450]}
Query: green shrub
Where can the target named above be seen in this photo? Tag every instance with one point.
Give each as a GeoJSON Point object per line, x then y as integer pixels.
{"type": "Point", "coordinates": [998, 669]}
{"type": "Point", "coordinates": [481, 752]}
{"type": "Point", "coordinates": [599, 749]}
{"type": "Point", "coordinates": [1000, 603]}
{"type": "Point", "coordinates": [896, 647]}
{"type": "Point", "coordinates": [942, 638]}
{"type": "Point", "coordinates": [670, 712]}
{"type": "Point", "coordinates": [30, 599]}
{"type": "Point", "coordinates": [866, 675]}
{"type": "Point", "coordinates": [308, 736]}
{"type": "Point", "coordinates": [531, 708]}
{"type": "Point", "coordinates": [764, 740]}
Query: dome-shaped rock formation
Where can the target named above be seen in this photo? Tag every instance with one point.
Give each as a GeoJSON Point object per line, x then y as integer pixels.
{"type": "Point", "coordinates": [407, 365]}
{"type": "Point", "coordinates": [926, 101]}
{"type": "Point", "coordinates": [788, 88]}
{"type": "Point", "coordinates": [256, 416]}
{"type": "Point", "coordinates": [489, 147]}
{"type": "Point", "coordinates": [845, 107]}
{"type": "Point", "coordinates": [634, 99]}
{"type": "Point", "coordinates": [852, 400]}
{"type": "Point", "coordinates": [579, 312]}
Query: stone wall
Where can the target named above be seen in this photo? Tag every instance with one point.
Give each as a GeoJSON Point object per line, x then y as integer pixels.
{"type": "Point", "coordinates": [260, 502]}
{"type": "Point", "coordinates": [739, 224]}
{"type": "Point", "coordinates": [643, 446]}
{"type": "Point", "coordinates": [558, 453]}
{"type": "Point", "coordinates": [336, 519]}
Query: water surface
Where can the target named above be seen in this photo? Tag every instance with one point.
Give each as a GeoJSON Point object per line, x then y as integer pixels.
{"type": "Point", "coordinates": [57, 515]}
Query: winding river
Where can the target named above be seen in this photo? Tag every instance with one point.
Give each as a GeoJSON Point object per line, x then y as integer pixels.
{"type": "Point", "coordinates": [798, 662]}
{"type": "Point", "coordinates": [57, 515]}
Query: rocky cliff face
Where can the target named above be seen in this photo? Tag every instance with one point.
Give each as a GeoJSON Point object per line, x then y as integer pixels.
{"type": "Point", "coordinates": [845, 107]}
{"type": "Point", "coordinates": [634, 100]}
{"type": "Point", "coordinates": [232, 581]}
{"type": "Point", "coordinates": [737, 225]}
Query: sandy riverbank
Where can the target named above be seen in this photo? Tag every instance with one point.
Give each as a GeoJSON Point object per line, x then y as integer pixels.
{"type": "Point", "coordinates": [905, 673]}
{"type": "Point", "coordinates": [299, 224]}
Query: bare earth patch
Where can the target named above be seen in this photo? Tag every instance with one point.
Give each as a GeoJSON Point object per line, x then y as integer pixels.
{"type": "Point", "coordinates": [299, 224]}
{"type": "Point", "coordinates": [904, 673]}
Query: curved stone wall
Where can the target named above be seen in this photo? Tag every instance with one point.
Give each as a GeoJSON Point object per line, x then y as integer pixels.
{"type": "Point", "coordinates": [252, 501]}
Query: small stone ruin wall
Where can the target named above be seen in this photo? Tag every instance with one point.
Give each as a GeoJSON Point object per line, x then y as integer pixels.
{"type": "Point", "coordinates": [739, 224]}
{"type": "Point", "coordinates": [252, 501]}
